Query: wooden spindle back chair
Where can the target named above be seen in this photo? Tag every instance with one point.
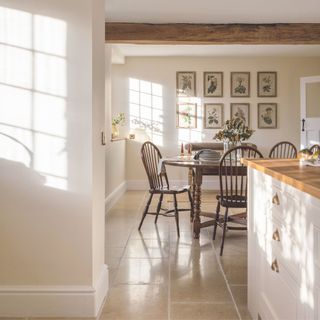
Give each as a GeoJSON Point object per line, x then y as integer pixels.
{"type": "Point", "coordinates": [233, 188]}
{"type": "Point", "coordinates": [283, 150]}
{"type": "Point", "coordinates": [151, 155]}
{"type": "Point", "coordinates": [314, 148]}
{"type": "Point", "coordinates": [159, 184]}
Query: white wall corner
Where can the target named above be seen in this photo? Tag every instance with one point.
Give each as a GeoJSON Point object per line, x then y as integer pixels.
{"type": "Point", "coordinates": [115, 195]}
{"type": "Point", "coordinates": [54, 301]}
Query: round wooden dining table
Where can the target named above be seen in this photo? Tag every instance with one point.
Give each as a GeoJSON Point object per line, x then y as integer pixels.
{"type": "Point", "coordinates": [200, 169]}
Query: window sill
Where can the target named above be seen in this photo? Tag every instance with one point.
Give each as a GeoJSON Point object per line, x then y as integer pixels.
{"type": "Point", "coordinates": [118, 139]}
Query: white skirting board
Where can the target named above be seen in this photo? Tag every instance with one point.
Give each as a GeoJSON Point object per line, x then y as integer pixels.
{"type": "Point", "coordinates": [54, 301]}
{"type": "Point", "coordinates": [115, 195]}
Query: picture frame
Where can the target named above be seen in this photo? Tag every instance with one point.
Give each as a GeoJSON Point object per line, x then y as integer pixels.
{"type": "Point", "coordinates": [240, 84]}
{"type": "Point", "coordinates": [267, 115]}
{"type": "Point", "coordinates": [242, 111]}
{"type": "Point", "coordinates": [267, 84]}
{"type": "Point", "coordinates": [213, 115]}
{"type": "Point", "coordinates": [187, 115]}
{"type": "Point", "coordinates": [186, 83]}
{"type": "Point", "coordinates": [213, 84]}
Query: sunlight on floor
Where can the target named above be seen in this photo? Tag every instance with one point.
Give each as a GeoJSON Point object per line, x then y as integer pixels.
{"type": "Point", "coordinates": [155, 275]}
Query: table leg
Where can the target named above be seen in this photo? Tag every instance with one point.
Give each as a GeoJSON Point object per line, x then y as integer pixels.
{"type": "Point", "coordinates": [197, 203]}
{"type": "Point", "coordinates": [191, 184]}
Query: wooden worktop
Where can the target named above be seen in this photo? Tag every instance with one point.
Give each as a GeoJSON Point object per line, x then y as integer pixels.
{"type": "Point", "coordinates": [291, 172]}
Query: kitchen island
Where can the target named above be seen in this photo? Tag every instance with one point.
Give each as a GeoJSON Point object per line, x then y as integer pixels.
{"type": "Point", "coordinates": [283, 240]}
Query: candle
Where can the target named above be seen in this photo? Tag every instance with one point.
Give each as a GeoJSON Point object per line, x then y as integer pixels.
{"type": "Point", "coordinates": [189, 149]}
{"type": "Point", "coordinates": [181, 150]}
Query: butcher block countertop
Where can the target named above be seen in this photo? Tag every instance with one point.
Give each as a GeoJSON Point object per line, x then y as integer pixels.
{"type": "Point", "coordinates": [291, 172]}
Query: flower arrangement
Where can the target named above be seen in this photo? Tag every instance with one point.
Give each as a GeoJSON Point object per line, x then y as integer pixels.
{"type": "Point", "coordinates": [234, 130]}
{"type": "Point", "coordinates": [119, 120]}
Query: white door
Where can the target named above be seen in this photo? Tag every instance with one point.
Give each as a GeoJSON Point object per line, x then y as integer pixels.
{"type": "Point", "coordinates": [310, 111]}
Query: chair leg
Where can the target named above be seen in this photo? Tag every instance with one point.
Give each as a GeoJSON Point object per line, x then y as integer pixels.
{"type": "Point", "coordinates": [191, 206]}
{"type": "Point", "coordinates": [159, 207]}
{"type": "Point", "coordinates": [176, 213]}
{"type": "Point", "coordinates": [145, 212]}
{"type": "Point", "coordinates": [224, 230]}
{"type": "Point", "coordinates": [216, 221]}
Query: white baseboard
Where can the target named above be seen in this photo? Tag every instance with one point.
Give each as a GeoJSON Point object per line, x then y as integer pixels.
{"type": "Point", "coordinates": [207, 184]}
{"type": "Point", "coordinates": [115, 195]}
{"type": "Point", "coordinates": [54, 301]}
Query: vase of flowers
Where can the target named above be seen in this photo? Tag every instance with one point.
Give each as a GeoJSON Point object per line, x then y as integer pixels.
{"type": "Point", "coordinates": [117, 121]}
{"type": "Point", "coordinates": [233, 132]}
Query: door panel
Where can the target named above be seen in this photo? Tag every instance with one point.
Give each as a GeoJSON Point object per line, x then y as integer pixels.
{"type": "Point", "coordinates": [310, 111]}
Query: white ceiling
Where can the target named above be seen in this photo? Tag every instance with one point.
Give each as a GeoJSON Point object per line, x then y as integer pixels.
{"type": "Point", "coordinates": [217, 50]}
{"type": "Point", "coordinates": [213, 11]}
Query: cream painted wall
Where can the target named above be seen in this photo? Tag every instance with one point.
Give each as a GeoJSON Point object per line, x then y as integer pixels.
{"type": "Point", "coordinates": [115, 160]}
{"type": "Point", "coordinates": [98, 126]}
{"type": "Point", "coordinates": [51, 158]}
{"type": "Point", "coordinates": [163, 71]}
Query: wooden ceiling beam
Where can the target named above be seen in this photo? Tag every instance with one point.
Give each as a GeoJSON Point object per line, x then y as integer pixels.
{"type": "Point", "coordinates": [182, 33]}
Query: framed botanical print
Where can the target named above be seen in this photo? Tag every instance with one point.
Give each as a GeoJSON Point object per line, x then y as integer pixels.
{"type": "Point", "coordinates": [267, 84]}
{"type": "Point", "coordinates": [240, 84]}
{"type": "Point", "coordinates": [212, 84]}
{"type": "Point", "coordinates": [213, 115]}
{"type": "Point", "coordinates": [186, 84]}
{"type": "Point", "coordinates": [267, 115]}
{"type": "Point", "coordinates": [186, 115]}
{"type": "Point", "coordinates": [241, 111]}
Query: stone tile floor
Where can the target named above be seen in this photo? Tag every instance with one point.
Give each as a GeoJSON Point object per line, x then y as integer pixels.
{"type": "Point", "coordinates": [154, 275]}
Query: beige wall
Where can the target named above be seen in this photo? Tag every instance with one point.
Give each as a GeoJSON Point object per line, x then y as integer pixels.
{"type": "Point", "coordinates": [163, 71]}
{"type": "Point", "coordinates": [51, 158]}
{"type": "Point", "coordinates": [115, 159]}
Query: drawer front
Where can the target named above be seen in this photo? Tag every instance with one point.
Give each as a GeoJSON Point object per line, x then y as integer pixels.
{"type": "Point", "coordinates": [286, 209]}
{"type": "Point", "coordinates": [281, 242]}
{"type": "Point", "coordinates": [279, 292]}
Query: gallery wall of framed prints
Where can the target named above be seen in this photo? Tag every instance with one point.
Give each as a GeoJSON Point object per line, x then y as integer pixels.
{"type": "Point", "coordinates": [213, 96]}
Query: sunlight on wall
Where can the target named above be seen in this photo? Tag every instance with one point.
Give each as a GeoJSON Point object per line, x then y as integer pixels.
{"type": "Point", "coordinates": [33, 91]}
{"type": "Point", "coordinates": [146, 109]}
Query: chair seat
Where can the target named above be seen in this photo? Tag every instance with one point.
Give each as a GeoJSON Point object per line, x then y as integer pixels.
{"type": "Point", "coordinates": [171, 190]}
{"type": "Point", "coordinates": [233, 202]}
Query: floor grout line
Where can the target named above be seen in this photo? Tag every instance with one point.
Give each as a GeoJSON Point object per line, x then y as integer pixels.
{"type": "Point", "coordinates": [125, 246]}
{"type": "Point", "coordinates": [226, 280]}
{"type": "Point", "coordinates": [171, 236]}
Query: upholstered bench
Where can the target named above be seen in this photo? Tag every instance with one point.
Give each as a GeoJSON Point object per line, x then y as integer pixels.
{"type": "Point", "coordinates": [196, 146]}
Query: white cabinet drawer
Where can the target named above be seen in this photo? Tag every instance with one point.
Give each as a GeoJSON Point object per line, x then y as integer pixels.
{"type": "Point", "coordinates": [281, 242]}
{"type": "Point", "coordinates": [278, 294]}
{"type": "Point", "coordinates": [283, 204]}
{"type": "Point", "coordinates": [286, 209]}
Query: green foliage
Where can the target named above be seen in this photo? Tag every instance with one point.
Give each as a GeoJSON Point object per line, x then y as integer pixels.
{"type": "Point", "coordinates": [234, 130]}
{"type": "Point", "coordinates": [119, 120]}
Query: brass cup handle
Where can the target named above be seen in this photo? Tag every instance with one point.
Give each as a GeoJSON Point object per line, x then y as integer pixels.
{"type": "Point", "coordinates": [276, 235]}
{"type": "Point", "coordinates": [274, 266]}
{"type": "Point", "coordinates": [275, 199]}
